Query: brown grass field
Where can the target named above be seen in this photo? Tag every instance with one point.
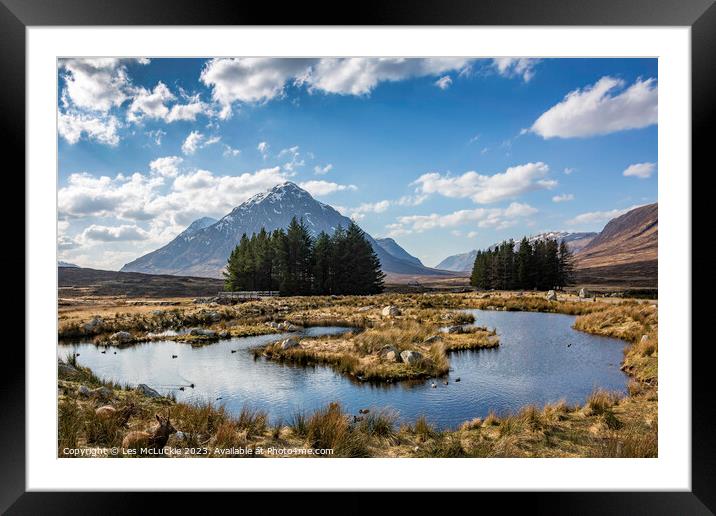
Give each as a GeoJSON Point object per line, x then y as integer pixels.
{"type": "Point", "coordinates": [607, 425]}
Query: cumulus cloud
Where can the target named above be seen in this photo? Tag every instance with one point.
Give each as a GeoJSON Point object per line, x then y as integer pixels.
{"type": "Point", "coordinates": [484, 189]}
{"type": "Point", "coordinates": [195, 141]}
{"type": "Point", "coordinates": [563, 197]}
{"type": "Point", "coordinates": [123, 233]}
{"type": "Point", "coordinates": [167, 166]}
{"type": "Point", "coordinates": [263, 147]}
{"type": "Point", "coordinates": [229, 151]}
{"type": "Point", "coordinates": [95, 84]}
{"type": "Point", "coordinates": [320, 187]}
{"type": "Point", "coordinates": [256, 80]}
{"type": "Point", "coordinates": [499, 218]}
{"type": "Point", "coordinates": [598, 217]}
{"type": "Point", "coordinates": [601, 109]}
{"type": "Point", "coordinates": [101, 128]}
{"type": "Point", "coordinates": [515, 67]}
{"type": "Point", "coordinates": [640, 170]}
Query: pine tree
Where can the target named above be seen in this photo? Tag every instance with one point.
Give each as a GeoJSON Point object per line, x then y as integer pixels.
{"type": "Point", "coordinates": [524, 266]}
{"type": "Point", "coordinates": [322, 255]}
{"type": "Point", "coordinates": [566, 266]}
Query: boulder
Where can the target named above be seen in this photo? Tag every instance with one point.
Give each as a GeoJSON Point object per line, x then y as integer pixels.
{"type": "Point", "coordinates": [83, 390]}
{"type": "Point", "coordinates": [287, 326]}
{"type": "Point", "coordinates": [551, 295]}
{"type": "Point", "coordinates": [432, 338]}
{"type": "Point", "coordinates": [94, 324]}
{"type": "Point", "coordinates": [392, 356]}
{"type": "Point", "coordinates": [391, 311]}
{"type": "Point", "coordinates": [121, 336]}
{"type": "Point", "coordinates": [203, 332]}
{"type": "Point", "coordinates": [224, 334]}
{"type": "Point", "coordinates": [583, 293]}
{"type": "Point", "coordinates": [289, 343]}
{"type": "Point", "coordinates": [213, 316]}
{"type": "Point", "coordinates": [456, 329]}
{"type": "Point", "coordinates": [103, 393]}
{"type": "Point", "coordinates": [410, 357]}
{"type": "Point", "coordinates": [145, 389]}
{"type": "Point", "coordinates": [64, 370]}
{"type": "Point", "coordinates": [644, 338]}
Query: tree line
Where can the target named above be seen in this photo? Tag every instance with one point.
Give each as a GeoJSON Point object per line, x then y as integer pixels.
{"type": "Point", "coordinates": [295, 263]}
{"type": "Point", "coordinates": [544, 265]}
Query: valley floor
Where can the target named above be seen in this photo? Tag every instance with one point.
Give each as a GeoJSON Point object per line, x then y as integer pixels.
{"type": "Point", "coordinates": [606, 426]}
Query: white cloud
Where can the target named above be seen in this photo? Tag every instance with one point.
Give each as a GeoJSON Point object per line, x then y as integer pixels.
{"type": "Point", "coordinates": [568, 171]}
{"type": "Point", "coordinates": [255, 80]}
{"type": "Point", "coordinates": [320, 171]}
{"type": "Point", "coordinates": [598, 109]}
{"type": "Point", "coordinates": [485, 189]}
{"type": "Point", "coordinates": [515, 67]}
{"type": "Point", "coordinates": [167, 166]}
{"type": "Point", "coordinates": [369, 207]}
{"type": "Point", "coordinates": [263, 147]}
{"type": "Point", "coordinates": [186, 112]}
{"type": "Point", "coordinates": [195, 140]}
{"type": "Point", "coordinates": [156, 136]}
{"type": "Point", "coordinates": [101, 128]}
{"type": "Point", "coordinates": [320, 187]}
{"type": "Point", "coordinates": [123, 233]}
{"type": "Point", "coordinates": [444, 82]}
{"type": "Point", "coordinates": [472, 234]}
{"type": "Point", "coordinates": [150, 104]}
{"type": "Point", "coordinates": [296, 160]}
{"type": "Point", "coordinates": [230, 151]}
{"type": "Point", "coordinates": [95, 84]}
{"type": "Point", "coordinates": [563, 197]}
{"type": "Point", "coordinates": [640, 170]}
{"type": "Point", "coordinates": [597, 217]}
{"type": "Point", "coordinates": [192, 142]}
{"type": "Point", "coordinates": [499, 218]}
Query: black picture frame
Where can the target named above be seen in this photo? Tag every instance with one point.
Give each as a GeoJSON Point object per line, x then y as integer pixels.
{"type": "Point", "coordinates": [700, 15]}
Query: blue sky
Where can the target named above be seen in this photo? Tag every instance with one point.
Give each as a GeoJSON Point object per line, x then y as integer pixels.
{"type": "Point", "coordinates": [445, 155]}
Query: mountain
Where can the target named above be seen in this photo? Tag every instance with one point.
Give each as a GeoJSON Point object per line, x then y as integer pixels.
{"type": "Point", "coordinates": [63, 265]}
{"type": "Point", "coordinates": [203, 252]}
{"type": "Point", "coordinates": [463, 262]}
{"type": "Point", "coordinates": [458, 262]}
{"type": "Point", "coordinates": [392, 247]}
{"type": "Point", "coordinates": [627, 239]}
{"type": "Point", "coordinates": [197, 226]}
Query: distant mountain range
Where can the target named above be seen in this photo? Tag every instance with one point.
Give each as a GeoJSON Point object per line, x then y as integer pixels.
{"type": "Point", "coordinates": [62, 264]}
{"type": "Point", "coordinates": [463, 262]}
{"type": "Point", "coordinates": [203, 248]}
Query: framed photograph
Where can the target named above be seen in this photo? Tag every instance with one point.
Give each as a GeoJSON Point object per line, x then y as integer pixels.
{"type": "Point", "coordinates": [419, 252]}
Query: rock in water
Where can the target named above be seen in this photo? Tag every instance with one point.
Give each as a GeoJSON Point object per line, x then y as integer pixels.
{"type": "Point", "coordinates": [410, 357]}
{"type": "Point", "coordinates": [390, 311]}
{"type": "Point", "coordinates": [148, 391]}
{"type": "Point", "coordinates": [121, 336]}
{"type": "Point", "coordinates": [551, 295]}
{"type": "Point", "coordinates": [202, 332]}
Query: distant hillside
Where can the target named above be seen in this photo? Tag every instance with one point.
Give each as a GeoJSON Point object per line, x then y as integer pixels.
{"type": "Point", "coordinates": [61, 264]}
{"type": "Point", "coordinates": [77, 282]}
{"type": "Point", "coordinates": [626, 251]}
{"type": "Point", "coordinates": [463, 262]}
{"type": "Point", "coordinates": [392, 247]}
{"type": "Point", "coordinates": [630, 238]}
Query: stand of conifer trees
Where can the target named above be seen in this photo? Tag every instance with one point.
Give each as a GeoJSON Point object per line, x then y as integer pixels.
{"type": "Point", "coordinates": [544, 265]}
{"type": "Point", "coordinates": [295, 263]}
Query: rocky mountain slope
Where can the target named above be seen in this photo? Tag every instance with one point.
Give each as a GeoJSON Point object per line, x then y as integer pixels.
{"type": "Point", "coordinates": [392, 247]}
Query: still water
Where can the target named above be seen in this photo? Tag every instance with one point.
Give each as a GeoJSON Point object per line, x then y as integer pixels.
{"type": "Point", "coordinates": [540, 359]}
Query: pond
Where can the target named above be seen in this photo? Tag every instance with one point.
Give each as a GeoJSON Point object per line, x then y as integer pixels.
{"type": "Point", "coordinates": [541, 359]}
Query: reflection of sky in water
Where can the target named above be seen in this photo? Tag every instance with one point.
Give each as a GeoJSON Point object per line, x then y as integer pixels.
{"type": "Point", "coordinates": [532, 365]}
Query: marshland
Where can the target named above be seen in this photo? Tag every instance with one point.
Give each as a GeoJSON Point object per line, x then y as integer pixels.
{"type": "Point", "coordinates": [473, 374]}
